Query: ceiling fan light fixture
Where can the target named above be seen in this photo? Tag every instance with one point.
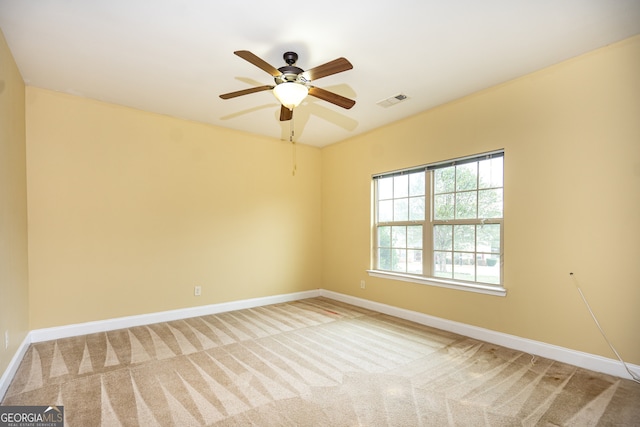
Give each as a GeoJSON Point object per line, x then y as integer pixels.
{"type": "Point", "coordinates": [290, 94]}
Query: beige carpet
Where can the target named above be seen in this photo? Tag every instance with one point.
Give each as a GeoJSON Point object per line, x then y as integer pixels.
{"type": "Point", "coordinates": [314, 362]}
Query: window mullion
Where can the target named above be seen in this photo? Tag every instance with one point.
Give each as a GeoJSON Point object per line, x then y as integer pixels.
{"type": "Point", "coordinates": [427, 229]}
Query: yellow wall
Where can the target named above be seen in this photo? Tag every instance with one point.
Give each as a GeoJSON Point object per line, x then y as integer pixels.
{"type": "Point", "coordinates": [571, 135]}
{"type": "Point", "coordinates": [129, 210]}
{"type": "Point", "coordinates": [14, 305]}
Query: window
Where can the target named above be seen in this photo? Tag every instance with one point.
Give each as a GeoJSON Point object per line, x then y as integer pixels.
{"type": "Point", "coordinates": [442, 223]}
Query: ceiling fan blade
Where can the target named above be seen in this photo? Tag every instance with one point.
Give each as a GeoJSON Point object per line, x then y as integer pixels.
{"type": "Point", "coordinates": [245, 91]}
{"type": "Point", "coordinates": [336, 66]}
{"type": "Point", "coordinates": [285, 114]}
{"type": "Point", "coordinates": [258, 62]}
{"type": "Point", "coordinates": [331, 97]}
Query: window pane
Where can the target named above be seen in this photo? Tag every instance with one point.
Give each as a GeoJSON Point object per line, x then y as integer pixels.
{"type": "Point", "coordinates": [414, 237]}
{"type": "Point", "coordinates": [385, 211]}
{"type": "Point", "coordinates": [385, 188]}
{"type": "Point", "coordinates": [414, 261]}
{"type": "Point", "coordinates": [464, 238]}
{"type": "Point", "coordinates": [416, 184]}
{"type": "Point", "coordinates": [464, 266]}
{"type": "Point", "coordinates": [384, 237]}
{"type": "Point", "coordinates": [416, 208]}
{"type": "Point", "coordinates": [490, 173]}
{"type": "Point", "coordinates": [444, 180]}
{"type": "Point", "coordinates": [466, 205]}
{"type": "Point", "coordinates": [443, 206]}
{"type": "Point", "coordinates": [384, 259]}
{"type": "Point", "coordinates": [399, 260]}
{"type": "Point", "coordinates": [442, 237]}
{"type": "Point", "coordinates": [467, 177]}
{"type": "Point", "coordinates": [490, 203]}
{"type": "Point", "coordinates": [442, 265]}
{"type": "Point", "coordinates": [399, 237]}
{"type": "Point", "coordinates": [489, 238]}
{"type": "Point", "coordinates": [400, 209]}
{"type": "Point", "coordinates": [489, 270]}
{"type": "Point", "coordinates": [401, 186]}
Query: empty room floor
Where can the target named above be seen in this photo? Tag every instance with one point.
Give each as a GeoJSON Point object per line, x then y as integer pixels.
{"type": "Point", "coordinates": [310, 362]}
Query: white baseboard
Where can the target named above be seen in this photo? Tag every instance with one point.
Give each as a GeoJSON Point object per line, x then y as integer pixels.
{"type": "Point", "coordinates": [46, 334]}
{"type": "Point", "coordinates": [13, 366]}
{"type": "Point", "coordinates": [561, 354]}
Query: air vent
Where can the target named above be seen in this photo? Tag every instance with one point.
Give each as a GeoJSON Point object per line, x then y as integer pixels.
{"type": "Point", "coordinates": [393, 100]}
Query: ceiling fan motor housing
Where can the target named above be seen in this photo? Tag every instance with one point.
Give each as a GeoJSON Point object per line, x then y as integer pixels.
{"type": "Point", "coordinates": [290, 73]}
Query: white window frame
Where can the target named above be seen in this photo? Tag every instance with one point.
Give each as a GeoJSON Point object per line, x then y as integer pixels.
{"type": "Point", "coordinates": [428, 223]}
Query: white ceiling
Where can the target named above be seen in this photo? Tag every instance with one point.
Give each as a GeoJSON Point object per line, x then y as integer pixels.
{"type": "Point", "coordinates": [176, 56]}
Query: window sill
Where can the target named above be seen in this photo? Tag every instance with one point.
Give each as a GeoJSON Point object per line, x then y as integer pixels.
{"type": "Point", "coordinates": [450, 284]}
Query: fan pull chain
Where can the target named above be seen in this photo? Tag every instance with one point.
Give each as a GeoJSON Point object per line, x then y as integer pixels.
{"type": "Point", "coordinates": [293, 147]}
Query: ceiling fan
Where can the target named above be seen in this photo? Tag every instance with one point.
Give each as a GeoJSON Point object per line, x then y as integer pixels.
{"type": "Point", "coordinates": [292, 83]}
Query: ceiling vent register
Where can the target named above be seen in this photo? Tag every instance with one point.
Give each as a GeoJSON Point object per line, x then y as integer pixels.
{"type": "Point", "coordinates": [386, 103]}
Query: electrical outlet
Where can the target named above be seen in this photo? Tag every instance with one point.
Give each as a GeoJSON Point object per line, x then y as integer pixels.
{"type": "Point", "coordinates": [197, 291]}
{"type": "Point", "coordinates": [362, 284]}
{"type": "Point", "coordinates": [6, 339]}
